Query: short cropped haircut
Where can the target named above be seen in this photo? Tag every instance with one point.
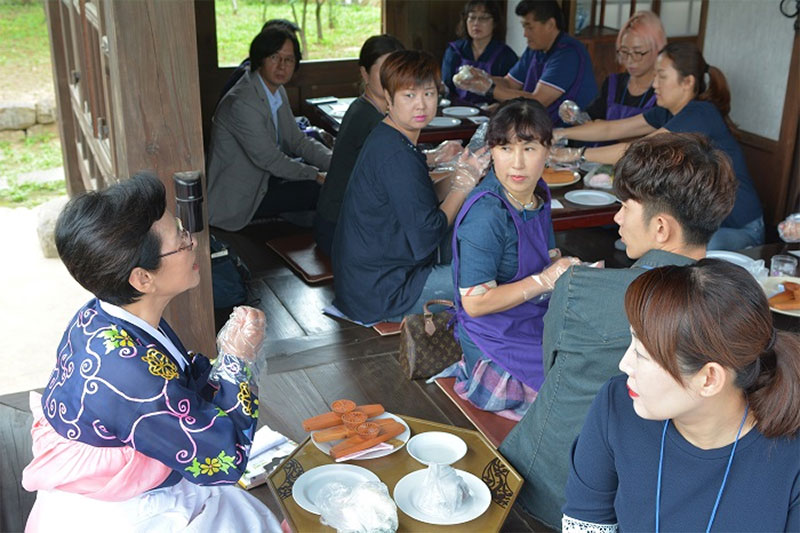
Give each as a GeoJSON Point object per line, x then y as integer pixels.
{"type": "Point", "coordinates": [543, 10]}
{"type": "Point", "coordinates": [101, 236]}
{"type": "Point", "coordinates": [269, 42]}
{"type": "Point", "coordinates": [409, 68]}
{"type": "Point", "coordinates": [647, 26]}
{"type": "Point", "coordinates": [520, 118]}
{"type": "Point", "coordinates": [680, 174]}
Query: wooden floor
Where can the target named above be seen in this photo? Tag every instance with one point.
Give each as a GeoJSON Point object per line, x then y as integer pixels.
{"type": "Point", "coordinates": [315, 359]}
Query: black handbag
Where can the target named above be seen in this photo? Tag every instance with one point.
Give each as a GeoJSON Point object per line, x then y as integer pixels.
{"type": "Point", "coordinates": [427, 341]}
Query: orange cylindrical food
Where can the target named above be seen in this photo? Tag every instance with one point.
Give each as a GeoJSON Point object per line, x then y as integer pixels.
{"type": "Point", "coordinates": [356, 444]}
{"type": "Point", "coordinates": [342, 432]}
{"type": "Point", "coordinates": [791, 305]}
{"type": "Point", "coordinates": [330, 419]}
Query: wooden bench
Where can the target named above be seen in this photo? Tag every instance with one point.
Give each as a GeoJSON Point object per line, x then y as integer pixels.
{"type": "Point", "coordinates": [494, 427]}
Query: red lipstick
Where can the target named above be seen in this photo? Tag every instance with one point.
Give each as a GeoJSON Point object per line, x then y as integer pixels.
{"type": "Point", "coordinates": [631, 393]}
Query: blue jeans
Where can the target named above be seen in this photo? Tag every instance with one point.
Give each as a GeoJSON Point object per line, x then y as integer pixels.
{"type": "Point", "coordinates": [732, 239]}
{"type": "Point", "coordinates": [439, 285]}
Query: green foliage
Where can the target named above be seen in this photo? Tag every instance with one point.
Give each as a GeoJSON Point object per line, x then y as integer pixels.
{"type": "Point", "coordinates": [353, 23]}
{"type": "Point", "coordinates": [24, 35]}
{"type": "Point", "coordinates": [35, 152]}
{"type": "Point", "coordinates": [30, 194]}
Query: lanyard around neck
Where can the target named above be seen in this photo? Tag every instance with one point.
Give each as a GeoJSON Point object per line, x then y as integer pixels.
{"type": "Point", "coordinates": [724, 478]}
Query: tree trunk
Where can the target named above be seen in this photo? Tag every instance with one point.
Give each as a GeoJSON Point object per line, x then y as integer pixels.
{"type": "Point", "coordinates": [331, 21]}
{"type": "Point", "coordinates": [319, 20]}
{"type": "Point", "coordinates": [235, 6]}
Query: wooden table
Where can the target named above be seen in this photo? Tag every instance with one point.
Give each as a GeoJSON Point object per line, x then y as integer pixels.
{"type": "Point", "coordinates": [765, 252]}
{"type": "Point", "coordinates": [573, 216]}
{"type": "Point", "coordinates": [481, 460]}
{"type": "Point", "coordinates": [325, 118]}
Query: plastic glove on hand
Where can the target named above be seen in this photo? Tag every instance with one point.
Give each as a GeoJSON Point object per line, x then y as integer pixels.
{"type": "Point", "coordinates": [445, 152]}
{"type": "Point", "coordinates": [565, 155]}
{"type": "Point", "coordinates": [243, 333]}
{"type": "Point", "coordinates": [470, 168]}
{"type": "Point", "coordinates": [545, 281]}
{"type": "Point", "coordinates": [473, 80]}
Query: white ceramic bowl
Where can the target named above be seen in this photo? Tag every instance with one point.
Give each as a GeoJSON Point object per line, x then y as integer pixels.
{"type": "Point", "coordinates": [436, 447]}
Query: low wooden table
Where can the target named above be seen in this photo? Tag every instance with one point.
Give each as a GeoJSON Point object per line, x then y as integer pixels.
{"type": "Point", "coordinates": [481, 460]}
{"type": "Point", "coordinates": [573, 216]}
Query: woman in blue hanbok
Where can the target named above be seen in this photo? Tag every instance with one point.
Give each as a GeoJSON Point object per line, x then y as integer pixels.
{"type": "Point", "coordinates": [133, 432]}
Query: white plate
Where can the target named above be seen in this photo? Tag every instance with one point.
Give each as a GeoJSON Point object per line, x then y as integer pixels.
{"type": "Point", "coordinates": [474, 506]}
{"type": "Point", "coordinates": [444, 122]}
{"type": "Point", "coordinates": [731, 257]}
{"type": "Point", "coordinates": [590, 198]}
{"type": "Point", "coordinates": [460, 111]}
{"type": "Point", "coordinates": [479, 120]}
{"type": "Point", "coordinates": [437, 447]}
{"type": "Point", "coordinates": [575, 179]}
{"type": "Point", "coordinates": [771, 287]}
{"type": "Point", "coordinates": [444, 102]}
{"type": "Point", "coordinates": [306, 488]}
{"type": "Point", "coordinates": [325, 447]}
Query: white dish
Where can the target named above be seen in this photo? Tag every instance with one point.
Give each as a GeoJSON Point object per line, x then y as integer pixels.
{"type": "Point", "coordinates": [460, 111]}
{"type": "Point", "coordinates": [576, 178]}
{"type": "Point", "coordinates": [437, 447]}
{"type": "Point", "coordinates": [444, 102]}
{"type": "Point", "coordinates": [479, 120]}
{"type": "Point", "coordinates": [731, 257]}
{"type": "Point", "coordinates": [590, 198]}
{"type": "Point", "coordinates": [306, 488]}
{"type": "Point", "coordinates": [772, 286]}
{"type": "Point", "coordinates": [473, 507]}
{"type": "Point", "coordinates": [325, 447]}
{"type": "Point", "coordinates": [444, 122]}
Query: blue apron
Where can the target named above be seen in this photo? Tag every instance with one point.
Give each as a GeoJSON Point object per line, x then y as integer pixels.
{"type": "Point", "coordinates": [536, 70]}
{"type": "Point", "coordinates": [615, 111]}
{"type": "Point", "coordinates": [483, 65]}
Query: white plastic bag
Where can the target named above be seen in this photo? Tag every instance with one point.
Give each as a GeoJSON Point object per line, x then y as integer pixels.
{"type": "Point", "coordinates": [366, 508]}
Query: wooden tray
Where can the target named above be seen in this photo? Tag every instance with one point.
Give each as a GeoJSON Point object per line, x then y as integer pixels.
{"type": "Point", "coordinates": [481, 459]}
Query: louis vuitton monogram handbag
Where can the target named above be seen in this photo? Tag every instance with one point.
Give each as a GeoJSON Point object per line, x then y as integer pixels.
{"type": "Point", "coordinates": [427, 341]}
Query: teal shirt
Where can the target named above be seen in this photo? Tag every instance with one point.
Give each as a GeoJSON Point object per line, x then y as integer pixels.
{"type": "Point", "coordinates": [586, 333]}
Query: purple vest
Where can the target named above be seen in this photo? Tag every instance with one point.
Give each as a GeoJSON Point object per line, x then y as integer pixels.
{"type": "Point", "coordinates": [535, 71]}
{"type": "Point", "coordinates": [483, 65]}
{"type": "Point", "coordinates": [512, 338]}
{"type": "Point", "coordinates": [616, 110]}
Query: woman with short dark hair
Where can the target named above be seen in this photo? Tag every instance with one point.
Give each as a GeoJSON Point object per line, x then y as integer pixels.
{"type": "Point", "coordinates": [501, 264]}
{"type": "Point", "coordinates": [132, 429]}
{"type": "Point", "coordinates": [481, 45]}
{"type": "Point", "coordinates": [391, 223]}
{"type": "Point", "coordinates": [702, 430]}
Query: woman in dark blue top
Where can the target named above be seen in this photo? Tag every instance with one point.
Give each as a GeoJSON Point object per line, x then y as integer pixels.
{"type": "Point", "coordinates": [686, 102]}
{"type": "Point", "coordinates": [702, 431]}
{"type": "Point", "coordinates": [391, 223]}
{"type": "Point", "coordinates": [481, 46]}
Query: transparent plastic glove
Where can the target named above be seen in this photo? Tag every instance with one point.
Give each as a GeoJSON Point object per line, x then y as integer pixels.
{"type": "Point", "coordinates": [443, 153]}
{"type": "Point", "coordinates": [565, 154]}
{"type": "Point", "coordinates": [367, 507]}
{"type": "Point", "coordinates": [470, 168]}
{"type": "Point", "coordinates": [472, 79]}
{"type": "Point", "coordinates": [571, 113]}
{"type": "Point", "coordinates": [478, 139]}
{"type": "Point", "coordinates": [240, 345]}
{"type": "Point", "coordinates": [559, 137]}
{"type": "Point", "coordinates": [789, 229]}
{"type": "Point", "coordinates": [545, 281]}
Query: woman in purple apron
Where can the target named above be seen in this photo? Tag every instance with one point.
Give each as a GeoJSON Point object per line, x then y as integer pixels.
{"type": "Point", "coordinates": [480, 47]}
{"type": "Point", "coordinates": [502, 267]}
{"type": "Point", "coordinates": [631, 92]}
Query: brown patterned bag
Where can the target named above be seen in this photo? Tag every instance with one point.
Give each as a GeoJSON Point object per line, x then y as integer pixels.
{"type": "Point", "coordinates": [427, 343]}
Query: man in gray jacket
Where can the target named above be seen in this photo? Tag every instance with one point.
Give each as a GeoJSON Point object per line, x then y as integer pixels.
{"type": "Point", "coordinates": [675, 190]}
{"type": "Point", "coordinates": [256, 145]}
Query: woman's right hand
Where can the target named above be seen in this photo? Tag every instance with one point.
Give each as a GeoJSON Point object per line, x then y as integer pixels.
{"type": "Point", "coordinates": [470, 168]}
{"type": "Point", "coordinates": [243, 333]}
{"type": "Point", "coordinates": [545, 281]}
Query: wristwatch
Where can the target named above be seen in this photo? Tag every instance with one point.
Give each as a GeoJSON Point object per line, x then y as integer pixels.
{"type": "Point", "coordinates": [490, 93]}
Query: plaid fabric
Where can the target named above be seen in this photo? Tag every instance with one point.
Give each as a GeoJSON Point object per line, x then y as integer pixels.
{"type": "Point", "coordinates": [490, 388]}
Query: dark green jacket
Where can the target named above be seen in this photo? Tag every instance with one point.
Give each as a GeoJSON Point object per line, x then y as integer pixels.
{"type": "Point", "coordinates": [586, 334]}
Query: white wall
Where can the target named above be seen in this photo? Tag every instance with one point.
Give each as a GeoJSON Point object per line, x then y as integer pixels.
{"type": "Point", "coordinates": [514, 37]}
{"type": "Point", "coordinates": [751, 42]}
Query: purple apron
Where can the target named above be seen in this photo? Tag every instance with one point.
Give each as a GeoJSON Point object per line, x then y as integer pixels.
{"type": "Point", "coordinates": [616, 110]}
{"type": "Point", "coordinates": [483, 65]}
{"type": "Point", "coordinates": [535, 71]}
{"type": "Point", "coordinates": [512, 338]}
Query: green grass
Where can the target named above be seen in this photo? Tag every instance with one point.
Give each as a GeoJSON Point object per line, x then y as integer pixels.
{"type": "Point", "coordinates": [30, 194]}
{"type": "Point", "coordinates": [36, 152]}
{"type": "Point", "coordinates": [24, 35]}
{"type": "Point", "coordinates": [352, 25]}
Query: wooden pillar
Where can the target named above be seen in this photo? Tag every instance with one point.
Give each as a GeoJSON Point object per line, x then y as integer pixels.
{"type": "Point", "coordinates": [156, 108]}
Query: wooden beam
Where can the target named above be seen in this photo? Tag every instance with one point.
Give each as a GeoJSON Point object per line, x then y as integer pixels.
{"type": "Point", "coordinates": [701, 30]}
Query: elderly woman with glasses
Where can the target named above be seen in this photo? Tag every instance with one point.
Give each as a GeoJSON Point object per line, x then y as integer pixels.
{"type": "Point", "coordinates": [132, 429]}
{"type": "Point", "coordinates": [481, 46]}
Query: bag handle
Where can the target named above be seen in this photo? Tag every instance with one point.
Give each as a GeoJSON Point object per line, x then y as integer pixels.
{"type": "Point", "coordinates": [427, 314]}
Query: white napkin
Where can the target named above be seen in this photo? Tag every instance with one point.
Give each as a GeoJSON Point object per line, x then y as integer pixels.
{"type": "Point", "coordinates": [555, 204]}
{"type": "Point", "coordinates": [355, 455]}
{"type": "Point", "coordinates": [265, 439]}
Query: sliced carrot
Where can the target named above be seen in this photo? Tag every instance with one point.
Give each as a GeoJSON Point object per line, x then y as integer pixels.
{"type": "Point", "coordinates": [356, 444]}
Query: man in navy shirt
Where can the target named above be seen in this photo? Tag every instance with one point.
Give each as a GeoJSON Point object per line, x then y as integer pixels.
{"type": "Point", "coordinates": [555, 66]}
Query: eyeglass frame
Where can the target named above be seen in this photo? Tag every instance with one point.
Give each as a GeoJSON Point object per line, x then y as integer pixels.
{"type": "Point", "coordinates": [185, 234]}
{"type": "Point", "coordinates": [277, 59]}
{"type": "Point", "coordinates": [627, 55]}
{"type": "Point", "coordinates": [483, 19]}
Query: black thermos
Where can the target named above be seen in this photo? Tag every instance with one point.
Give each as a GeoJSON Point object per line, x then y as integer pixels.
{"type": "Point", "coordinates": [189, 199]}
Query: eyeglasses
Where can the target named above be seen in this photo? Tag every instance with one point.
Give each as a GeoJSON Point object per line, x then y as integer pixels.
{"type": "Point", "coordinates": [186, 239]}
{"type": "Point", "coordinates": [483, 19]}
{"type": "Point", "coordinates": [277, 59]}
{"type": "Point", "coordinates": [630, 55]}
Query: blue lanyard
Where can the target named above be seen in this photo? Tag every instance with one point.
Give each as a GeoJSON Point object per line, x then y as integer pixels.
{"type": "Point", "coordinates": [724, 479]}
{"type": "Point", "coordinates": [641, 100]}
